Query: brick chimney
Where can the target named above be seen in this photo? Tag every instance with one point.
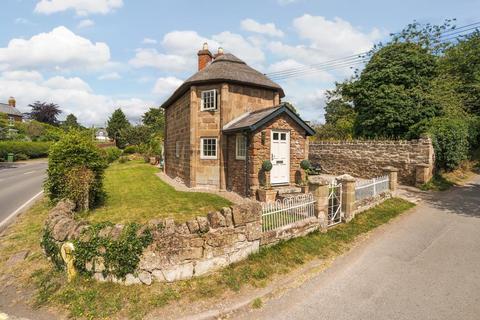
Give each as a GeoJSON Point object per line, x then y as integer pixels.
{"type": "Point", "coordinates": [12, 102]}
{"type": "Point", "coordinates": [204, 57]}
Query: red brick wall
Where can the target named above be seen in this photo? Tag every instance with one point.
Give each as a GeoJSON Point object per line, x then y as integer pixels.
{"type": "Point", "coordinates": [236, 168]}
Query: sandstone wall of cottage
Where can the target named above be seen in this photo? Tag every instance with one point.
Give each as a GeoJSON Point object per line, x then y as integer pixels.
{"type": "Point", "coordinates": [179, 250]}
{"type": "Point", "coordinates": [236, 168]}
{"type": "Point", "coordinates": [177, 128]}
{"type": "Point", "coordinates": [367, 158]}
{"type": "Point", "coordinates": [261, 151]}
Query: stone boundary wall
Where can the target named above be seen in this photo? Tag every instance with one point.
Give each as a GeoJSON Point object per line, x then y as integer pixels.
{"type": "Point", "coordinates": [368, 203]}
{"type": "Point", "coordinates": [297, 229]}
{"type": "Point", "coordinates": [179, 250]}
{"type": "Point", "coordinates": [366, 158]}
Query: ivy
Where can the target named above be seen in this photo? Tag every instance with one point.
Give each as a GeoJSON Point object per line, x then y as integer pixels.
{"type": "Point", "coordinates": [52, 249]}
{"type": "Point", "coordinates": [120, 256]}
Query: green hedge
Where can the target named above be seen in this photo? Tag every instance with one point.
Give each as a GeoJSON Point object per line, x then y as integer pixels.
{"type": "Point", "coordinates": [30, 149]}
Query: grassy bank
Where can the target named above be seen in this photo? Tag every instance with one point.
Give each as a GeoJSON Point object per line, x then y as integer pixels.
{"type": "Point", "coordinates": [136, 194]}
{"type": "Point", "coordinates": [86, 298]}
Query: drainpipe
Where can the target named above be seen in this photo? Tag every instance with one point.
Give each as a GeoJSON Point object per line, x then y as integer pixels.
{"type": "Point", "coordinates": [247, 186]}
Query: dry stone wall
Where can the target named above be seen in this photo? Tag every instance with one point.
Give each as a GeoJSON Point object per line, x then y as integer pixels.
{"type": "Point", "coordinates": [367, 158]}
{"type": "Point", "coordinates": [178, 250]}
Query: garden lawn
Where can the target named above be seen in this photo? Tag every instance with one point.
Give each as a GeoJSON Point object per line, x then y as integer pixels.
{"type": "Point", "coordinates": [88, 299]}
{"type": "Point", "coordinates": [136, 194]}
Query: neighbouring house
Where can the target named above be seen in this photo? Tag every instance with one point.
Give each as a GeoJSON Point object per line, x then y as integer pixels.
{"type": "Point", "coordinates": [101, 135]}
{"type": "Point", "coordinates": [11, 110]}
{"type": "Point", "coordinates": [224, 121]}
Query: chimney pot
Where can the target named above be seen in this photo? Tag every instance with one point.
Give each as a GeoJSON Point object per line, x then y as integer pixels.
{"type": "Point", "coordinates": [204, 57]}
{"type": "Point", "coordinates": [12, 102]}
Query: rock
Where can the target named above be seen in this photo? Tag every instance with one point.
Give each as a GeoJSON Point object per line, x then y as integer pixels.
{"type": "Point", "coordinates": [63, 228]}
{"type": "Point", "coordinates": [130, 279]}
{"type": "Point", "coordinates": [216, 220]}
{"type": "Point", "coordinates": [244, 251]}
{"type": "Point", "coordinates": [99, 264]}
{"type": "Point", "coordinates": [99, 277]}
{"type": "Point", "coordinates": [65, 206]}
{"type": "Point", "coordinates": [180, 272]}
{"type": "Point", "coordinates": [246, 212]}
{"type": "Point", "coordinates": [17, 257]}
{"type": "Point", "coordinates": [182, 228]}
{"type": "Point", "coordinates": [206, 266]}
{"type": "Point", "coordinates": [81, 227]}
{"type": "Point", "coordinates": [193, 226]}
{"type": "Point", "coordinates": [151, 260]}
{"type": "Point", "coordinates": [116, 231]}
{"type": "Point", "coordinates": [227, 213]}
{"type": "Point", "coordinates": [145, 277]}
{"type": "Point", "coordinates": [203, 224]}
{"type": "Point", "coordinates": [253, 231]}
{"type": "Point", "coordinates": [105, 232]}
{"type": "Point", "coordinates": [169, 226]}
{"type": "Point", "coordinates": [158, 275]}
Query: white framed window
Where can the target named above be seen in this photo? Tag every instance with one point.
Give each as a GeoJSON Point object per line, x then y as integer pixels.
{"type": "Point", "coordinates": [208, 148]}
{"type": "Point", "coordinates": [177, 149]}
{"type": "Point", "coordinates": [209, 100]}
{"type": "Point", "coordinates": [241, 147]}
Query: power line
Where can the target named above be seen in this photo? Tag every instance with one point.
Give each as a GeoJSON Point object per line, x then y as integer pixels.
{"type": "Point", "coordinates": [354, 59]}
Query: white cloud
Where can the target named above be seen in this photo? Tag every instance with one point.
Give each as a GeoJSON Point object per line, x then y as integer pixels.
{"type": "Point", "coordinates": [59, 48]}
{"type": "Point", "coordinates": [85, 23]}
{"type": "Point", "coordinates": [110, 76]}
{"type": "Point", "coordinates": [152, 58]}
{"type": "Point", "coordinates": [22, 75]}
{"type": "Point", "coordinates": [73, 95]}
{"type": "Point", "coordinates": [81, 7]}
{"type": "Point", "coordinates": [268, 29]}
{"type": "Point", "coordinates": [166, 86]}
{"type": "Point", "coordinates": [149, 41]}
{"type": "Point", "coordinates": [241, 47]}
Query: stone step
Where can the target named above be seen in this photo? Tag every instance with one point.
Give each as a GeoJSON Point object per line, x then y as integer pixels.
{"type": "Point", "coordinates": [288, 195]}
{"type": "Point", "coordinates": [288, 189]}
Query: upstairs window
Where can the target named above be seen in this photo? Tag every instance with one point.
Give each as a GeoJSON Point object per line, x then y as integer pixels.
{"type": "Point", "coordinates": [209, 100]}
{"type": "Point", "coordinates": [241, 147]}
{"type": "Point", "coordinates": [208, 148]}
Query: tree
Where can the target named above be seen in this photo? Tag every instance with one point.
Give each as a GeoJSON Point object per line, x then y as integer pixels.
{"type": "Point", "coordinates": [154, 118]}
{"type": "Point", "coordinates": [4, 127]}
{"type": "Point", "coordinates": [45, 112]}
{"type": "Point", "coordinates": [117, 122]}
{"type": "Point", "coordinates": [462, 62]}
{"type": "Point", "coordinates": [136, 135]}
{"type": "Point", "coordinates": [71, 122]}
{"type": "Point", "coordinates": [390, 94]}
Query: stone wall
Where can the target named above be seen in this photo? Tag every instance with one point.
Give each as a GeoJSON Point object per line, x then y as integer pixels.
{"type": "Point", "coordinates": [367, 158]}
{"type": "Point", "coordinates": [179, 250]}
{"type": "Point", "coordinates": [297, 229]}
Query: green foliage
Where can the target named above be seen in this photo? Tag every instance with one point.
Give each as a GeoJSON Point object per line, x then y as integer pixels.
{"type": "Point", "coordinates": [123, 159]}
{"type": "Point", "coordinates": [111, 154]}
{"type": "Point", "coordinates": [73, 150]}
{"type": "Point", "coordinates": [45, 112]}
{"type": "Point", "coordinates": [71, 122]}
{"type": "Point", "coordinates": [154, 118]}
{"type": "Point", "coordinates": [4, 126]}
{"type": "Point", "coordinates": [136, 135]}
{"type": "Point", "coordinates": [390, 94]}
{"type": "Point", "coordinates": [78, 186]}
{"type": "Point", "coordinates": [267, 165]}
{"type": "Point", "coordinates": [52, 249]}
{"type": "Point", "coordinates": [130, 150]}
{"type": "Point", "coordinates": [305, 164]}
{"type": "Point", "coordinates": [120, 256]}
{"type": "Point", "coordinates": [29, 149]}
{"type": "Point", "coordinates": [462, 62]}
{"type": "Point", "coordinates": [116, 123]}
{"type": "Point", "coordinates": [437, 183]}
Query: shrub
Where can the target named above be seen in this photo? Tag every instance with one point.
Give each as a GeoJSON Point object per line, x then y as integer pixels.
{"type": "Point", "coordinates": [450, 140]}
{"type": "Point", "coordinates": [27, 148]}
{"type": "Point", "coordinates": [130, 150]}
{"type": "Point", "coordinates": [72, 151]}
{"type": "Point", "coordinates": [79, 182]}
{"type": "Point", "coordinates": [123, 159]}
{"type": "Point", "coordinates": [111, 154]}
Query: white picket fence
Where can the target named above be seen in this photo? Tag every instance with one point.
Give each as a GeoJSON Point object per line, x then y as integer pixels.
{"type": "Point", "coordinates": [371, 188]}
{"type": "Point", "coordinates": [284, 212]}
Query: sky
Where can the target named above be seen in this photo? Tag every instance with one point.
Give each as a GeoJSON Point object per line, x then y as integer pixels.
{"type": "Point", "coordinates": [93, 56]}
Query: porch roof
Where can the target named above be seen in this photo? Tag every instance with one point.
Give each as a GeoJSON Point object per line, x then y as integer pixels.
{"type": "Point", "coordinates": [252, 121]}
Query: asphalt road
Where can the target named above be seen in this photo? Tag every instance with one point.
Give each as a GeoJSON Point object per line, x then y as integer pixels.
{"type": "Point", "coordinates": [425, 265]}
{"type": "Point", "coordinates": [19, 183]}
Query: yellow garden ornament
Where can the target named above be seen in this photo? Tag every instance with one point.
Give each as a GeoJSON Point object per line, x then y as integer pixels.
{"type": "Point", "coordinates": [67, 254]}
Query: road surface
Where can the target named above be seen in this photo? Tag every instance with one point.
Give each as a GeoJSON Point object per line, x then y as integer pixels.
{"type": "Point", "coordinates": [19, 184]}
{"type": "Point", "coordinates": [425, 265]}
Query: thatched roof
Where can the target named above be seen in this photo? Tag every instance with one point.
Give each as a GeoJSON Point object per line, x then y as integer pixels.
{"type": "Point", "coordinates": [5, 108]}
{"type": "Point", "coordinates": [226, 68]}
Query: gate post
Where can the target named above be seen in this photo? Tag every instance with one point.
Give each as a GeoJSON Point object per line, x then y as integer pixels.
{"type": "Point", "coordinates": [319, 189]}
{"type": "Point", "coordinates": [348, 196]}
{"type": "Point", "coordinates": [392, 173]}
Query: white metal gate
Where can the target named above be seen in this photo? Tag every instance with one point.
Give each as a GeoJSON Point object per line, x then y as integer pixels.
{"type": "Point", "coordinates": [334, 203]}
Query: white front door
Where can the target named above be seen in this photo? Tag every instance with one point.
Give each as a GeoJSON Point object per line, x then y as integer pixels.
{"type": "Point", "coordinates": [280, 157]}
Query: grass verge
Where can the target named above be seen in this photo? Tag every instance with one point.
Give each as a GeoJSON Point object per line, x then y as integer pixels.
{"type": "Point", "coordinates": [135, 194]}
{"type": "Point", "coordinates": [85, 298]}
